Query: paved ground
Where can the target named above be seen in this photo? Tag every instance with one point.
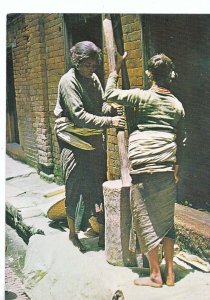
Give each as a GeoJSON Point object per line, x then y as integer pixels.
{"type": "Point", "coordinates": [14, 262]}
{"type": "Point", "coordinates": [25, 201]}
{"type": "Point", "coordinates": [13, 284]}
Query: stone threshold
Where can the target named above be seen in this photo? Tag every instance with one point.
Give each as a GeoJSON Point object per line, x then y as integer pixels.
{"type": "Point", "coordinates": [193, 231]}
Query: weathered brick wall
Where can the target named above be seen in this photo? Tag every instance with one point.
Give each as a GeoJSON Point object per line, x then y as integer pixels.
{"type": "Point", "coordinates": [55, 62]}
{"type": "Point", "coordinates": [39, 63]}
{"type": "Point", "coordinates": [131, 26]}
{"type": "Point", "coordinates": [38, 60]}
{"type": "Point", "coordinates": [18, 38]}
{"type": "Point", "coordinates": [38, 87]}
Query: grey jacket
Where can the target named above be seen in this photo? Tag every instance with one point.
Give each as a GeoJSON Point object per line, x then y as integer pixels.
{"type": "Point", "coordinates": [158, 138]}
{"type": "Point", "coordinates": [80, 108]}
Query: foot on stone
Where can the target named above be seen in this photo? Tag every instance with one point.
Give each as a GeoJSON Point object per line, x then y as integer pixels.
{"type": "Point", "coordinates": [170, 279]}
{"type": "Point", "coordinates": [148, 281]}
{"type": "Point", "coordinates": [76, 242]}
{"type": "Point", "coordinates": [101, 242]}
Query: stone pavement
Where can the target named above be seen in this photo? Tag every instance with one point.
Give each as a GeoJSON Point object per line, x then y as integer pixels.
{"type": "Point", "coordinates": [13, 285]}
{"type": "Point", "coordinates": [26, 205]}
{"type": "Point", "coordinates": [47, 252]}
{"type": "Point", "coordinates": [14, 262]}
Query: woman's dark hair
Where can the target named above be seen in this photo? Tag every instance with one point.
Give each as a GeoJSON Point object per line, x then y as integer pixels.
{"type": "Point", "coordinates": [162, 69]}
{"type": "Point", "coordinates": [83, 50]}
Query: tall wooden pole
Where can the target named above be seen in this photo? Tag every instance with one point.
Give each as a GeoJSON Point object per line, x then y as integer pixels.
{"type": "Point", "coordinates": [110, 46]}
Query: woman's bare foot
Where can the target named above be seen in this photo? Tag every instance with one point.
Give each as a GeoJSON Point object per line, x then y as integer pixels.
{"type": "Point", "coordinates": [170, 279]}
{"type": "Point", "coordinates": [153, 281]}
{"type": "Point", "coordinates": [76, 242]}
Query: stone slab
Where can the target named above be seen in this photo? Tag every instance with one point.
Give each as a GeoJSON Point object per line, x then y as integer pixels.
{"type": "Point", "coordinates": [29, 212]}
{"type": "Point", "coordinates": [32, 183]}
{"type": "Point", "coordinates": [20, 202]}
{"type": "Point", "coordinates": [58, 263]}
{"type": "Point", "coordinates": [15, 168]}
{"type": "Point", "coordinates": [118, 224]}
{"type": "Point", "coordinates": [193, 231]}
{"type": "Point", "coordinates": [12, 191]}
{"type": "Point", "coordinates": [43, 224]}
{"type": "Point", "coordinates": [60, 271]}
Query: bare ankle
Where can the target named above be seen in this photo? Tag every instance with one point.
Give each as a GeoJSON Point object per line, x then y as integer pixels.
{"type": "Point", "coordinates": [156, 277]}
{"type": "Point", "coordinates": [73, 235]}
{"type": "Point", "coordinates": [169, 271]}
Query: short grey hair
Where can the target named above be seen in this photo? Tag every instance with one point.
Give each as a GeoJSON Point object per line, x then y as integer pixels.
{"type": "Point", "coordinates": [84, 50]}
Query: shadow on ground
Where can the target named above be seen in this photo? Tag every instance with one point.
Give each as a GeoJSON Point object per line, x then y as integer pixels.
{"type": "Point", "coordinates": [180, 271]}
{"type": "Point", "coordinates": [10, 295]}
{"type": "Point", "coordinates": [89, 238]}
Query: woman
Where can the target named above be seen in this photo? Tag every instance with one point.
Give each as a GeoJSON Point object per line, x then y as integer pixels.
{"type": "Point", "coordinates": [81, 120]}
{"type": "Point", "coordinates": [155, 151]}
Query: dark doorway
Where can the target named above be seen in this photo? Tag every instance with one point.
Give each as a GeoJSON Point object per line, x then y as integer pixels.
{"type": "Point", "coordinates": [84, 27]}
{"type": "Point", "coordinates": [11, 113]}
{"type": "Point", "coordinates": [185, 38]}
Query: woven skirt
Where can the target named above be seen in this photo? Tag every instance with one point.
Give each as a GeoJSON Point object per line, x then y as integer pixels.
{"type": "Point", "coordinates": [84, 173]}
{"type": "Point", "coordinates": [153, 199]}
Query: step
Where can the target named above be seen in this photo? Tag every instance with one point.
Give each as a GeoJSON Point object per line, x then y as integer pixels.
{"type": "Point", "coordinates": [193, 231]}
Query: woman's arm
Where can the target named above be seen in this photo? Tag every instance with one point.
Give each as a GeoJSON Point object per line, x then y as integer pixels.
{"type": "Point", "coordinates": [176, 173]}
{"type": "Point", "coordinates": [72, 97]}
{"type": "Point", "coordinates": [106, 109]}
{"type": "Point", "coordinates": [130, 97]}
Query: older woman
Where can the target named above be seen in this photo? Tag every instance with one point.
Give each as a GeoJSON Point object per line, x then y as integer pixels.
{"type": "Point", "coordinates": [82, 115]}
{"type": "Point", "coordinates": [155, 151]}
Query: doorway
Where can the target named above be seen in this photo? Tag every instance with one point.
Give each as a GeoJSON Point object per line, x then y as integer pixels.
{"type": "Point", "coordinates": [185, 39]}
{"type": "Point", "coordinates": [84, 27]}
{"type": "Point", "coordinates": [11, 113]}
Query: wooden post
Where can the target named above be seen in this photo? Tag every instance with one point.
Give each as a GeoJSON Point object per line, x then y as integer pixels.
{"type": "Point", "coordinates": [110, 46]}
{"type": "Point", "coordinates": [117, 192]}
{"type": "Point", "coordinates": [129, 258]}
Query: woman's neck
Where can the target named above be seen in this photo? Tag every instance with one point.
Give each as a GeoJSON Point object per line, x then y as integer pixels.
{"type": "Point", "coordinates": [159, 89]}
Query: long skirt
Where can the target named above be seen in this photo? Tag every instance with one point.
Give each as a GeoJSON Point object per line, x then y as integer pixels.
{"type": "Point", "coordinates": [84, 174]}
{"type": "Point", "coordinates": [153, 199]}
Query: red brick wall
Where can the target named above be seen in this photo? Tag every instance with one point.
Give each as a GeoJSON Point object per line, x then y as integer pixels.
{"type": "Point", "coordinates": [55, 62]}
{"type": "Point", "coordinates": [131, 25]}
{"type": "Point", "coordinates": [18, 33]}
{"type": "Point", "coordinates": [38, 60]}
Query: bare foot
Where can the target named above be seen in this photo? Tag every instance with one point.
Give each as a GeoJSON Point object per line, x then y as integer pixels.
{"type": "Point", "coordinates": [170, 279]}
{"type": "Point", "coordinates": [76, 242]}
{"type": "Point", "coordinates": [149, 281]}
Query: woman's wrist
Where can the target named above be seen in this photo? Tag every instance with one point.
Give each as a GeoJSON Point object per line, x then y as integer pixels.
{"type": "Point", "coordinates": [176, 173]}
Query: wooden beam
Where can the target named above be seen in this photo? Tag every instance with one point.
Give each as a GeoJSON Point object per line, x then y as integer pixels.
{"type": "Point", "coordinates": [55, 192]}
{"type": "Point", "coordinates": [110, 47]}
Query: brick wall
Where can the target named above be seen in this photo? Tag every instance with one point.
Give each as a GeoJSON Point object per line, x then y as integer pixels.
{"type": "Point", "coordinates": [55, 62]}
{"type": "Point", "coordinates": [17, 37]}
{"type": "Point", "coordinates": [131, 26]}
{"type": "Point", "coordinates": [38, 61]}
